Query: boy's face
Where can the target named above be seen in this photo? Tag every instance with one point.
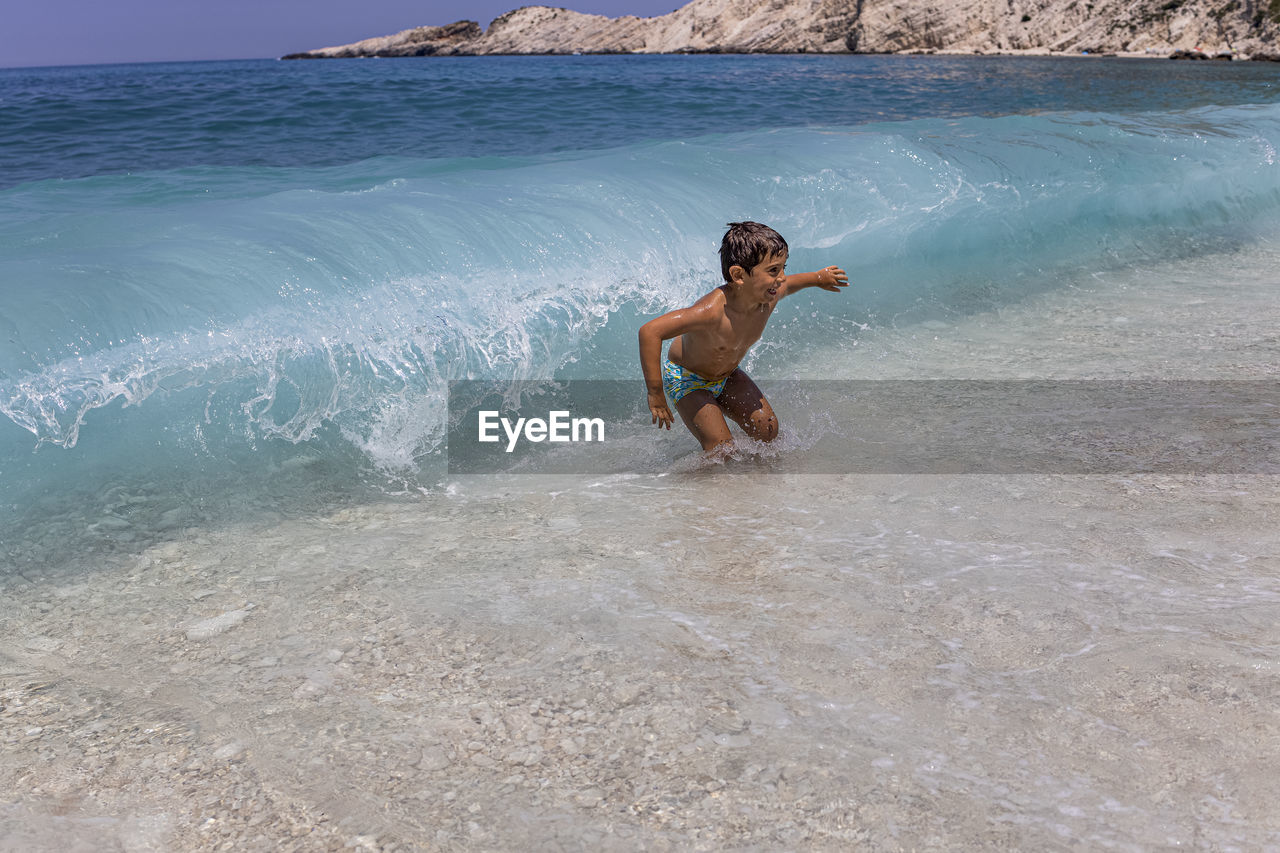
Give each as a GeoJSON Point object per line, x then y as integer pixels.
{"type": "Point", "coordinates": [761, 283]}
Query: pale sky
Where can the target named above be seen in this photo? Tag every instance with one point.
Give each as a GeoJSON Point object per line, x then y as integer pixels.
{"type": "Point", "coordinates": [82, 32]}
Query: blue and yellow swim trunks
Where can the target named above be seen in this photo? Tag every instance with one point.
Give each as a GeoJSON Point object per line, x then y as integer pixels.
{"type": "Point", "coordinates": [678, 381]}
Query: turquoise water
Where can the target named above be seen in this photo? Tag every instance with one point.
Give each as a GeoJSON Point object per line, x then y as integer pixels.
{"type": "Point", "coordinates": [246, 605]}
{"type": "Point", "coordinates": [93, 120]}
{"type": "Point", "coordinates": [209, 265]}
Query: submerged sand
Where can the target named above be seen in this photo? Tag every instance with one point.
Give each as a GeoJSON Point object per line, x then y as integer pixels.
{"type": "Point", "coordinates": [904, 662]}
{"type": "Point", "coordinates": [734, 658]}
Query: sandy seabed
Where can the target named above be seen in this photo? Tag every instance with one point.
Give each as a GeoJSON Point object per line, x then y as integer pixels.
{"type": "Point", "coordinates": [734, 658]}
{"type": "Point", "coordinates": [896, 662]}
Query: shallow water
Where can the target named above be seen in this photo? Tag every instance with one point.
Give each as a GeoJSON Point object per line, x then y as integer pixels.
{"type": "Point", "coordinates": [687, 659]}
{"type": "Point", "coordinates": [897, 661]}
{"type": "Point", "coordinates": [252, 610]}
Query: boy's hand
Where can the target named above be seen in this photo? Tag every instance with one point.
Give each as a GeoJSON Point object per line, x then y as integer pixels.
{"type": "Point", "coordinates": [661, 414]}
{"type": "Point", "coordinates": [832, 278]}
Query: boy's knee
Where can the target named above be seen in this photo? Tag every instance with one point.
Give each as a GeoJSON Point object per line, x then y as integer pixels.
{"type": "Point", "coordinates": [764, 427]}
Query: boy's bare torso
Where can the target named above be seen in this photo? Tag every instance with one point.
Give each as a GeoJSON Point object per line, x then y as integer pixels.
{"type": "Point", "coordinates": [712, 336]}
{"type": "Point", "coordinates": [715, 352]}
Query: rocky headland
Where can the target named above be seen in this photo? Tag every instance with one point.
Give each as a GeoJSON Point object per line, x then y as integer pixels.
{"type": "Point", "coordinates": [1197, 28]}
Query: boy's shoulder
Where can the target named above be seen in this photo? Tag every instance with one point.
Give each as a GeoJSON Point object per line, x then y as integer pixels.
{"type": "Point", "coordinates": [716, 299]}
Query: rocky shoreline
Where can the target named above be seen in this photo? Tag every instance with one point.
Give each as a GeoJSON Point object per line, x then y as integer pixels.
{"type": "Point", "coordinates": [1177, 29]}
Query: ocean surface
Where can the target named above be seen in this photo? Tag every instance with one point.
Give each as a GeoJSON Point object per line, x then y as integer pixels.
{"type": "Point", "coordinates": [233, 296]}
{"type": "Point", "coordinates": [209, 264]}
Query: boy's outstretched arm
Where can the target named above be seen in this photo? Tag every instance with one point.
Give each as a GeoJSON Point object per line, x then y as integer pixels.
{"type": "Point", "coordinates": [828, 278]}
{"type": "Point", "coordinates": [652, 334]}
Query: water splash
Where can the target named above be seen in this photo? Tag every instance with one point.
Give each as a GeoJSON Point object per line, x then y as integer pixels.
{"type": "Point", "coordinates": [290, 306]}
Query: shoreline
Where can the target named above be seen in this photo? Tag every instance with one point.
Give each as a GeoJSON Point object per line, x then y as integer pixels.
{"type": "Point", "coordinates": [389, 678]}
{"type": "Point", "coordinates": [718, 26]}
{"type": "Point", "coordinates": [1171, 54]}
{"type": "Point", "coordinates": [652, 663]}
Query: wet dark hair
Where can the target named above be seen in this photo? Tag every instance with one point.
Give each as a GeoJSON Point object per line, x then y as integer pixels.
{"type": "Point", "coordinates": [746, 244]}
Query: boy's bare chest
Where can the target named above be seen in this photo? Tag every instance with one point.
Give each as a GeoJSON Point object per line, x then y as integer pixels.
{"type": "Point", "coordinates": [736, 333]}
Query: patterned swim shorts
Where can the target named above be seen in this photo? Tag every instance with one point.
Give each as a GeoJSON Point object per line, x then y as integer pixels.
{"type": "Point", "coordinates": [678, 381]}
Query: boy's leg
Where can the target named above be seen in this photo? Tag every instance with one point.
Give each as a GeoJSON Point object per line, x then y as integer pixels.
{"type": "Point", "coordinates": [746, 405]}
{"type": "Point", "coordinates": [701, 414]}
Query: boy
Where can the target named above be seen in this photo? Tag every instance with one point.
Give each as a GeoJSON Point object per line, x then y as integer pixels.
{"type": "Point", "coordinates": [700, 373]}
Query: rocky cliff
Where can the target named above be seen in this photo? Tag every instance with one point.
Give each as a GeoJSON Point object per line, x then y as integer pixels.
{"type": "Point", "coordinates": [858, 26]}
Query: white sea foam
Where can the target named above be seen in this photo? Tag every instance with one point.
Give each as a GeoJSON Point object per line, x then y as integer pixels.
{"type": "Point", "coordinates": [348, 313]}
